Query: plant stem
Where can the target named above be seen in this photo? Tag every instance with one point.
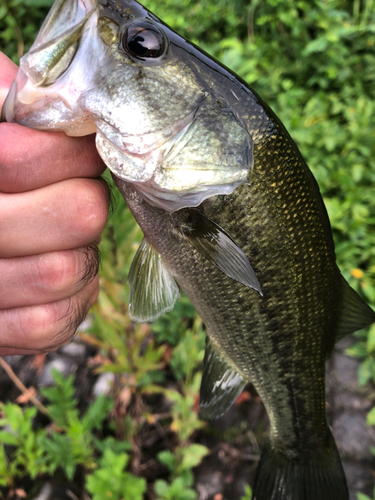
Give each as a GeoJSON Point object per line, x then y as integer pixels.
{"type": "Point", "coordinates": [22, 387]}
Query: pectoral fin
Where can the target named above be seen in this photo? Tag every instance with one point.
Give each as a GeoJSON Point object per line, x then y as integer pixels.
{"type": "Point", "coordinates": [355, 313]}
{"type": "Point", "coordinates": [214, 243]}
{"type": "Point", "coordinates": [221, 384]}
{"type": "Point", "coordinates": [153, 290]}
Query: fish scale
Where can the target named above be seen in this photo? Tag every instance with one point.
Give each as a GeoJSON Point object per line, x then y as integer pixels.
{"type": "Point", "coordinates": [256, 329]}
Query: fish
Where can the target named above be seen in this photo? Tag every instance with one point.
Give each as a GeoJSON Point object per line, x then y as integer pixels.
{"type": "Point", "coordinates": [230, 212]}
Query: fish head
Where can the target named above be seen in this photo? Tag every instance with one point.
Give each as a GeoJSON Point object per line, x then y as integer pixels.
{"type": "Point", "coordinates": [113, 68]}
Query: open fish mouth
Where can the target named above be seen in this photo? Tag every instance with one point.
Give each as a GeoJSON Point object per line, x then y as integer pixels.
{"type": "Point", "coordinates": [44, 112]}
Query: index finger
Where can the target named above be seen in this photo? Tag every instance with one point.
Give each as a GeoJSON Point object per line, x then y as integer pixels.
{"type": "Point", "coordinates": [31, 159]}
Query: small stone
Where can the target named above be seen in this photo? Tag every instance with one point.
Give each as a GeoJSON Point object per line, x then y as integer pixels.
{"type": "Point", "coordinates": [74, 350]}
{"type": "Point", "coordinates": [85, 325]}
{"type": "Point", "coordinates": [64, 365]}
{"type": "Point", "coordinates": [45, 492]}
{"type": "Point", "coordinates": [104, 384]}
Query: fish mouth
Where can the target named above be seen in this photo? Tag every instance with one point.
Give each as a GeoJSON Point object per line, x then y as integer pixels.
{"type": "Point", "coordinates": [44, 93]}
{"type": "Point", "coordinates": [8, 110]}
{"type": "Point", "coordinates": [20, 111]}
{"type": "Point", "coordinates": [44, 112]}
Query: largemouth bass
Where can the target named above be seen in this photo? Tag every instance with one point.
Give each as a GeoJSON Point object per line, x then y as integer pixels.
{"type": "Point", "coordinates": [230, 213]}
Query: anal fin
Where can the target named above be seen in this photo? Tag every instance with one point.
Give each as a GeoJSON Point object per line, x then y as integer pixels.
{"type": "Point", "coordinates": [221, 384]}
{"type": "Point", "coordinates": [153, 290]}
{"type": "Point", "coordinates": [355, 313]}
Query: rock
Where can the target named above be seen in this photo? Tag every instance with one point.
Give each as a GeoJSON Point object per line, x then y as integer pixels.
{"type": "Point", "coordinates": [64, 365]}
{"type": "Point", "coordinates": [104, 384]}
{"type": "Point", "coordinates": [75, 350]}
{"type": "Point", "coordinates": [45, 492]}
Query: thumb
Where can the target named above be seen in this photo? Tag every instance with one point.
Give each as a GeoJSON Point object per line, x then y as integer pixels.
{"type": "Point", "coordinates": [8, 72]}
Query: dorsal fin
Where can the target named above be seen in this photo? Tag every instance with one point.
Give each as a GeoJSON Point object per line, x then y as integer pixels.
{"type": "Point", "coordinates": [214, 243]}
{"type": "Point", "coordinates": [153, 290]}
{"type": "Point", "coordinates": [221, 383]}
{"type": "Point", "coordinates": [355, 313]}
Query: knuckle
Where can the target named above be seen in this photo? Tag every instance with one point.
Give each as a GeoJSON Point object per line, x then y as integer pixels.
{"type": "Point", "coordinates": [92, 210]}
{"type": "Point", "coordinates": [44, 327]}
{"type": "Point", "coordinates": [57, 271]}
{"type": "Point", "coordinates": [37, 321]}
{"type": "Point", "coordinates": [55, 324]}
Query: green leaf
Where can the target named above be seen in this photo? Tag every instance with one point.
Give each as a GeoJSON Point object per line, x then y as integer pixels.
{"type": "Point", "coordinates": [110, 480]}
{"type": "Point", "coordinates": [161, 488]}
{"type": "Point", "coordinates": [371, 417]}
{"type": "Point", "coordinates": [371, 339]}
{"type": "Point", "coordinates": [248, 493]}
{"type": "Point", "coordinates": [361, 496]}
{"type": "Point", "coordinates": [167, 458]}
{"type": "Point", "coordinates": [366, 371]}
{"type": "Point", "coordinates": [192, 456]}
{"type": "Point", "coordinates": [8, 438]}
{"type": "Point", "coordinates": [358, 350]}
{"type": "Point", "coordinates": [97, 412]}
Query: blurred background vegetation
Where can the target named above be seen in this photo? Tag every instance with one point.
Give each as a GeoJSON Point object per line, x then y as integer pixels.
{"type": "Point", "coordinates": [313, 62]}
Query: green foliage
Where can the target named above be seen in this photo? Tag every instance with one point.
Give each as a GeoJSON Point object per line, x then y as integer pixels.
{"type": "Point", "coordinates": [27, 455]}
{"type": "Point", "coordinates": [364, 348]}
{"type": "Point", "coordinates": [361, 496]}
{"type": "Point", "coordinates": [248, 493]}
{"type": "Point", "coordinates": [110, 480]}
{"type": "Point", "coordinates": [180, 464]}
{"type": "Point", "coordinates": [19, 22]}
{"type": "Point", "coordinates": [68, 443]}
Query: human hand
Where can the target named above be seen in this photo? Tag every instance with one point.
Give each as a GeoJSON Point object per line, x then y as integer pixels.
{"type": "Point", "coordinates": [53, 208]}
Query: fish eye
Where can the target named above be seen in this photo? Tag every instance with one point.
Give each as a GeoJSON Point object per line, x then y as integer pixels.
{"type": "Point", "coordinates": [144, 40]}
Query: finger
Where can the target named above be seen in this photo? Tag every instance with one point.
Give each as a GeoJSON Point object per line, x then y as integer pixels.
{"type": "Point", "coordinates": [10, 351]}
{"type": "Point", "coordinates": [46, 327]}
{"type": "Point", "coordinates": [7, 75]}
{"type": "Point", "coordinates": [30, 159]}
{"type": "Point", "coordinates": [39, 279]}
{"type": "Point", "coordinates": [63, 216]}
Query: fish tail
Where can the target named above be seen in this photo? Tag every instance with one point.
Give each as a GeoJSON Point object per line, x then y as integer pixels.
{"type": "Point", "coordinates": [319, 478]}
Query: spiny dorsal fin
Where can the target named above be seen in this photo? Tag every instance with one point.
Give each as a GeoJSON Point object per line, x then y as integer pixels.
{"type": "Point", "coordinates": [221, 384]}
{"type": "Point", "coordinates": [214, 243]}
{"type": "Point", "coordinates": [153, 290]}
{"type": "Point", "coordinates": [355, 313]}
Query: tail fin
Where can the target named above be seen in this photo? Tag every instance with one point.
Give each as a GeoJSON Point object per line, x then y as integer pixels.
{"type": "Point", "coordinates": [281, 478]}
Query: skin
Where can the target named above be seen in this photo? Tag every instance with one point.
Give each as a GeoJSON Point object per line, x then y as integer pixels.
{"type": "Point", "coordinates": [53, 208]}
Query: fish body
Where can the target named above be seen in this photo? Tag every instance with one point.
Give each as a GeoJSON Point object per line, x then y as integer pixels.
{"type": "Point", "coordinates": [230, 213]}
